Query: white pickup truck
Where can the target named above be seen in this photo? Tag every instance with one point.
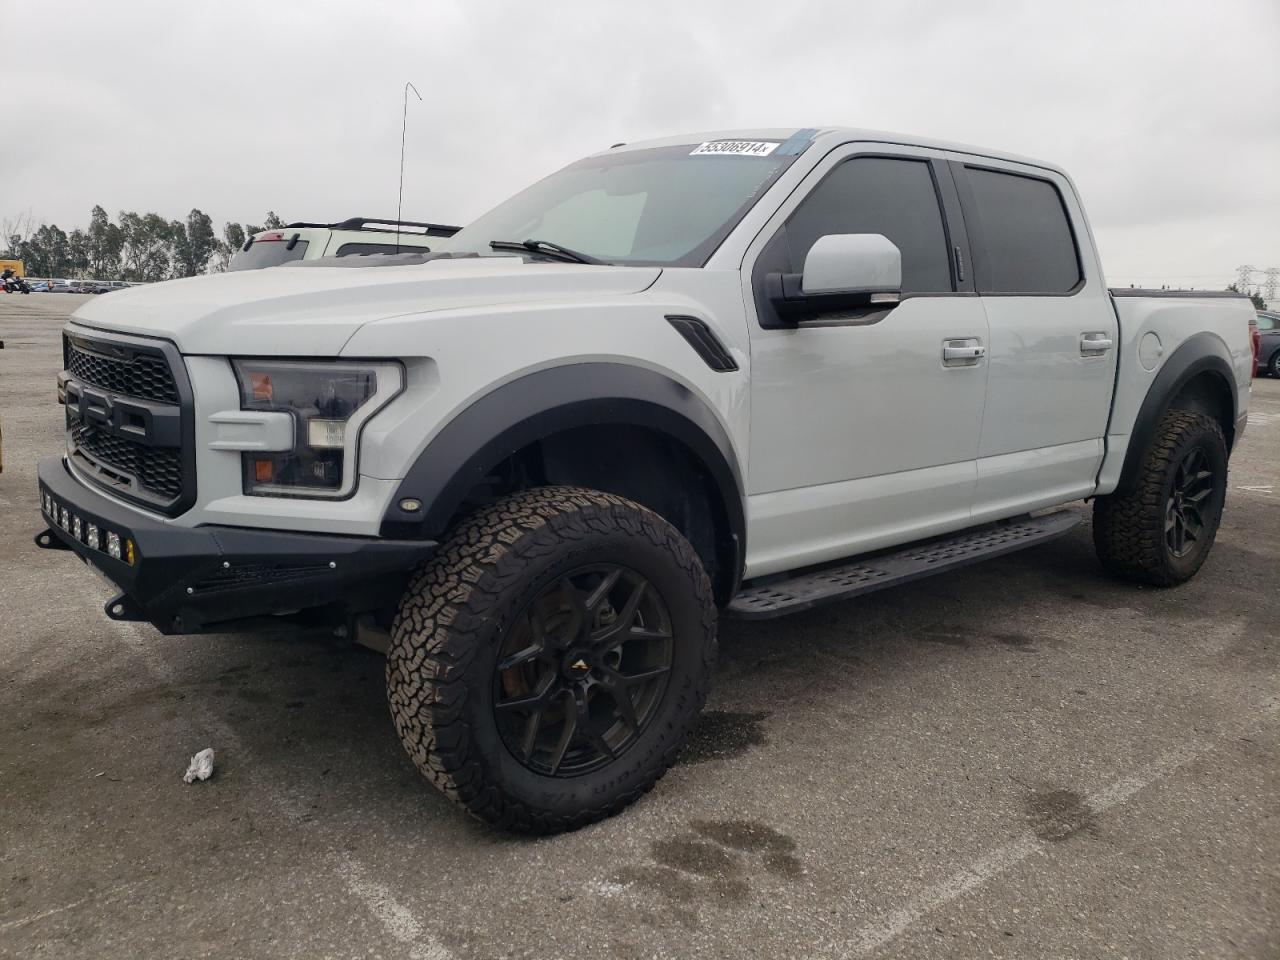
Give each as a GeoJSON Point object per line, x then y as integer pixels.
{"type": "Point", "coordinates": [733, 373]}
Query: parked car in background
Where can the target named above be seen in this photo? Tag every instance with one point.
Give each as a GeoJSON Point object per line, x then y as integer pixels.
{"type": "Point", "coordinates": [1269, 343]}
{"type": "Point", "coordinates": [89, 286]}
{"type": "Point", "coordinates": [1255, 342]}
{"type": "Point", "coordinates": [358, 236]}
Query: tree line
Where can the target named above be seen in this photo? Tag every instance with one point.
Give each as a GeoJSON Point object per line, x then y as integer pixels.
{"type": "Point", "coordinates": [1258, 302]}
{"type": "Point", "coordinates": [137, 246]}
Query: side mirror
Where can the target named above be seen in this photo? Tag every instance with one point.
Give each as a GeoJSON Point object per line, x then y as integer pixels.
{"type": "Point", "coordinates": [843, 271]}
{"type": "Point", "coordinates": [852, 263]}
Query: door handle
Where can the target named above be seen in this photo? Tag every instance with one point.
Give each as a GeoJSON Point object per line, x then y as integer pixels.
{"type": "Point", "coordinates": [962, 352]}
{"type": "Point", "coordinates": [1095, 344]}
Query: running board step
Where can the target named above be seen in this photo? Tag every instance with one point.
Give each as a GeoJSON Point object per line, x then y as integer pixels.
{"type": "Point", "coordinates": [806, 590]}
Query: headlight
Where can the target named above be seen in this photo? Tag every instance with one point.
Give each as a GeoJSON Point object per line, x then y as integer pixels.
{"type": "Point", "coordinates": [329, 402]}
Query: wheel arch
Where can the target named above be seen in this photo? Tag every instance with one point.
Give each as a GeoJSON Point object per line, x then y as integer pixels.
{"type": "Point", "coordinates": [1198, 376]}
{"type": "Point", "coordinates": [550, 427]}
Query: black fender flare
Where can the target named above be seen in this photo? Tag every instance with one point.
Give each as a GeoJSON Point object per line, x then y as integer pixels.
{"type": "Point", "coordinates": [540, 404]}
{"type": "Point", "coordinates": [1197, 354]}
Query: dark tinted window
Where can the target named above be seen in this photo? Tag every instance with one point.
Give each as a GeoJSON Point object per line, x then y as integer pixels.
{"type": "Point", "coordinates": [351, 249]}
{"type": "Point", "coordinates": [1023, 235]}
{"type": "Point", "coordinates": [267, 253]}
{"type": "Point", "coordinates": [879, 195]}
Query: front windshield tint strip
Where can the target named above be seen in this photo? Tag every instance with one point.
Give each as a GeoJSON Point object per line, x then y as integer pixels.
{"type": "Point", "coordinates": [795, 145]}
{"type": "Point", "coordinates": [662, 206]}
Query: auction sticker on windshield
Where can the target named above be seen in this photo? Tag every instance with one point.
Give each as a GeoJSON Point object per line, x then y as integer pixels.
{"type": "Point", "coordinates": [736, 148]}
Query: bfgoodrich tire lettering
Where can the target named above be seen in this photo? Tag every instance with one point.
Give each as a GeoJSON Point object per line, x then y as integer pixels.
{"type": "Point", "coordinates": [1161, 531]}
{"type": "Point", "coordinates": [461, 608]}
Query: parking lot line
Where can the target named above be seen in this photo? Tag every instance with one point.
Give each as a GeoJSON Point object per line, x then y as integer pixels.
{"type": "Point", "coordinates": [397, 919]}
{"type": "Point", "coordinates": [100, 898]}
{"type": "Point", "coordinates": [393, 915]}
{"type": "Point", "coordinates": [1003, 858]}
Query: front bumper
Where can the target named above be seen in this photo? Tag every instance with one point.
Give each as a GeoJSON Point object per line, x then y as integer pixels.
{"type": "Point", "coordinates": [195, 579]}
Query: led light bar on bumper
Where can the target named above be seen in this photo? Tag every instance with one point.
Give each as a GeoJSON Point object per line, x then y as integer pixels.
{"type": "Point", "coordinates": [86, 531]}
{"type": "Point", "coordinates": [330, 403]}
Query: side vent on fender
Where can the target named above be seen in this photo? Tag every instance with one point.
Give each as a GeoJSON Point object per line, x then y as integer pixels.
{"type": "Point", "coordinates": [705, 342]}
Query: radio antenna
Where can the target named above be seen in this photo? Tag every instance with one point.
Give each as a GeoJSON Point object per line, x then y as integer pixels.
{"type": "Point", "coordinates": [404, 126]}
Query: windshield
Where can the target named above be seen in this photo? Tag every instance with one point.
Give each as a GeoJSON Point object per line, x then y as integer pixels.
{"type": "Point", "coordinates": [665, 206]}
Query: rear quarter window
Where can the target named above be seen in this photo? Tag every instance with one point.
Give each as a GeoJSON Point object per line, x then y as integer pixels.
{"type": "Point", "coordinates": [1024, 239]}
{"type": "Point", "coordinates": [359, 249]}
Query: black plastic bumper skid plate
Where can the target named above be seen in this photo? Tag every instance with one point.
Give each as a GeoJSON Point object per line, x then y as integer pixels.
{"type": "Point", "coordinates": [777, 597]}
{"type": "Point", "coordinates": [194, 579]}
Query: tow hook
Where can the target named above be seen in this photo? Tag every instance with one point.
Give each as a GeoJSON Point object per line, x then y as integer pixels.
{"type": "Point", "coordinates": [45, 540]}
{"type": "Point", "coordinates": [121, 607]}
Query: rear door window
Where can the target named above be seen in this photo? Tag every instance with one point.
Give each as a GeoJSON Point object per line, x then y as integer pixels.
{"type": "Point", "coordinates": [1021, 234]}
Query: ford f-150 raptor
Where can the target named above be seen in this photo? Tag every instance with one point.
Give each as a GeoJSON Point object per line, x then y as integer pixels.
{"type": "Point", "coordinates": [724, 374]}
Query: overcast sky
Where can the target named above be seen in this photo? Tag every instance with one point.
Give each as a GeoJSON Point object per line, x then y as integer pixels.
{"type": "Point", "coordinates": [1167, 114]}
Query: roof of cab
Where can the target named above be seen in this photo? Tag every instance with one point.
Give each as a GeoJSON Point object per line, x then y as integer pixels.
{"type": "Point", "coordinates": [833, 136]}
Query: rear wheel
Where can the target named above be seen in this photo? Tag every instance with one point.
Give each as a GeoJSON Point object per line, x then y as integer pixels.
{"type": "Point", "coordinates": [1273, 367]}
{"type": "Point", "coordinates": [547, 666]}
{"type": "Point", "coordinates": [1162, 530]}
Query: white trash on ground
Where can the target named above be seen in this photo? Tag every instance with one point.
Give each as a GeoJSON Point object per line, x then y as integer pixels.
{"type": "Point", "coordinates": [201, 766]}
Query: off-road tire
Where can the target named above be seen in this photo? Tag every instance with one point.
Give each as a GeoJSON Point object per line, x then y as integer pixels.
{"type": "Point", "coordinates": [1273, 367]}
{"type": "Point", "coordinates": [456, 612]}
{"type": "Point", "coordinates": [1129, 527]}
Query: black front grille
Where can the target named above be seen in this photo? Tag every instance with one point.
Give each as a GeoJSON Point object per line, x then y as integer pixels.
{"type": "Point", "coordinates": [129, 418]}
{"type": "Point", "coordinates": [156, 469]}
{"type": "Point", "coordinates": [141, 376]}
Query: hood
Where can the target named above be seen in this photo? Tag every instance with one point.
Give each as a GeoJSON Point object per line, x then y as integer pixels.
{"type": "Point", "coordinates": [313, 311]}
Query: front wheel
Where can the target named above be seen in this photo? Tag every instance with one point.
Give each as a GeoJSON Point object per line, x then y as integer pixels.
{"type": "Point", "coordinates": [548, 664]}
{"type": "Point", "coordinates": [1273, 367]}
{"type": "Point", "coordinates": [1161, 531]}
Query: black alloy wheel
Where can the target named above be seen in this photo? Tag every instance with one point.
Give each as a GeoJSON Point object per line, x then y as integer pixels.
{"type": "Point", "coordinates": [1184, 523]}
{"type": "Point", "coordinates": [582, 670]}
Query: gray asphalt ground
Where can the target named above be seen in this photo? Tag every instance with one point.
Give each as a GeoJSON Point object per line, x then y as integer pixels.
{"type": "Point", "coordinates": [1023, 759]}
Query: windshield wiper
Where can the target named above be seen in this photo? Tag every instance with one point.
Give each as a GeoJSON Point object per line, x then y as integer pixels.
{"type": "Point", "coordinates": [546, 248]}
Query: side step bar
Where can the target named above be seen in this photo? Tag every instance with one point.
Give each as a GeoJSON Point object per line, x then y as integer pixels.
{"type": "Point", "coordinates": [827, 585]}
